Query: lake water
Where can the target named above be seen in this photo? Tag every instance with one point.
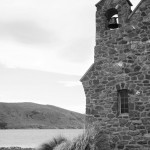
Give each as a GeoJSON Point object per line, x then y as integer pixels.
{"type": "Point", "coordinates": [34, 137]}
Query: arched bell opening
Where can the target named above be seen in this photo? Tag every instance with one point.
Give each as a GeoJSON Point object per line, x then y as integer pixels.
{"type": "Point", "coordinates": [112, 18]}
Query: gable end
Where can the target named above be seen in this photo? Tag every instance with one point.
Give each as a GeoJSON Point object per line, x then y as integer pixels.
{"type": "Point", "coordinates": [99, 3]}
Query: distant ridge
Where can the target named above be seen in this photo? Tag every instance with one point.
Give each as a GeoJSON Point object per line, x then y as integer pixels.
{"type": "Point", "coordinates": [31, 115]}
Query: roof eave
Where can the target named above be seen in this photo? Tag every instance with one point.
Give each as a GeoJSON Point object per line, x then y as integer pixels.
{"type": "Point", "coordinates": [98, 3]}
{"type": "Point", "coordinates": [130, 3]}
{"type": "Point", "coordinates": [135, 9]}
{"type": "Point", "coordinates": [86, 72]}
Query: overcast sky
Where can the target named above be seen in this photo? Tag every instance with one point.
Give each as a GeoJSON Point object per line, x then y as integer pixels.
{"type": "Point", "coordinates": [45, 48]}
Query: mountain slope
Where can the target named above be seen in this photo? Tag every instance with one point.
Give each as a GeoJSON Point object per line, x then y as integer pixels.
{"type": "Point", "coordinates": [31, 115]}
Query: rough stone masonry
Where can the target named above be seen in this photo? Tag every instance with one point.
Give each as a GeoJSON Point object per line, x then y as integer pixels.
{"type": "Point", "coordinates": [117, 85]}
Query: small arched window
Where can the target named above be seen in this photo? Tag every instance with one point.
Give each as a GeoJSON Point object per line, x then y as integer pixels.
{"type": "Point", "coordinates": [112, 18]}
{"type": "Point", "coordinates": [123, 101]}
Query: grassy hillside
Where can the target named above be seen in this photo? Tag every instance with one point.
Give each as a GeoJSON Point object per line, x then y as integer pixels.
{"type": "Point", "coordinates": [31, 115]}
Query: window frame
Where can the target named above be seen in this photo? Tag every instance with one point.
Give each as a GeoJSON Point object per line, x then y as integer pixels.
{"type": "Point", "coordinates": [123, 101]}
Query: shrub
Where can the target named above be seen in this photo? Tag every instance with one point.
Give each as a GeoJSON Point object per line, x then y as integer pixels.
{"type": "Point", "coordinates": [53, 143]}
{"type": "Point", "coordinates": [63, 146]}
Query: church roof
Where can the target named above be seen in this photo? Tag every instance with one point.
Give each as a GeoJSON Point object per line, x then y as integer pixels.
{"type": "Point", "coordinates": [103, 0]}
{"type": "Point", "coordinates": [129, 2]}
{"type": "Point", "coordinates": [91, 67]}
{"type": "Point", "coordinates": [136, 8]}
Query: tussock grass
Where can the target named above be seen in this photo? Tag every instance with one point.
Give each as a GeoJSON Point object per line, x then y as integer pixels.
{"type": "Point", "coordinates": [63, 146]}
{"type": "Point", "coordinates": [82, 142]}
{"type": "Point", "coordinates": [53, 143]}
{"type": "Point", "coordinates": [94, 138]}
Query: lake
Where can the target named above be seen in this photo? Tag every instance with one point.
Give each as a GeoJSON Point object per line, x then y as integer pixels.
{"type": "Point", "coordinates": [34, 137]}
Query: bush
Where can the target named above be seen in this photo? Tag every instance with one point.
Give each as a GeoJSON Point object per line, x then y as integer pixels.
{"type": "Point", "coordinates": [53, 143]}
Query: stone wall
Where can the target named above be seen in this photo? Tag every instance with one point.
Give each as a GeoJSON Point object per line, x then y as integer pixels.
{"type": "Point", "coordinates": [122, 61]}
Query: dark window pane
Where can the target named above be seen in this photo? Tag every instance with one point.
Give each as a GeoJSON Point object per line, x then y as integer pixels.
{"type": "Point", "coordinates": [122, 110]}
{"type": "Point", "coordinates": [126, 106]}
{"type": "Point", "coordinates": [126, 99]}
{"type": "Point", "coordinates": [122, 94]}
{"type": "Point", "coordinates": [125, 110]}
{"type": "Point", "coordinates": [123, 98]}
{"type": "Point", "coordinates": [122, 106]}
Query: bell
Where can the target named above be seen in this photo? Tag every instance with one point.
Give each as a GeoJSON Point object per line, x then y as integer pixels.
{"type": "Point", "coordinates": [113, 23]}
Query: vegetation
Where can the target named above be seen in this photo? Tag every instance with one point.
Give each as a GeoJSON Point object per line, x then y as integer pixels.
{"type": "Point", "coordinates": [93, 139]}
{"type": "Point", "coordinates": [31, 115]}
{"type": "Point", "coordinates": [3, 125]}
{"type": "Point", "coordinates": [53, 143]}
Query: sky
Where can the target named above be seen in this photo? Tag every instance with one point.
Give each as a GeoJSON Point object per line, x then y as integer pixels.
{"type": "Point", "coordinates": [45, 48]}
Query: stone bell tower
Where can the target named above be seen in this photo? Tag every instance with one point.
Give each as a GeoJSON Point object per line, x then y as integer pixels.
{"type": "Point", "coordinates": [117, 85]}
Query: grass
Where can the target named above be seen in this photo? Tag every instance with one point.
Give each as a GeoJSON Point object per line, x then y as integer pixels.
{"type": "Point", "coordinates": [53, 143]}
{"type": "Point", "coordinates": [93, 139]}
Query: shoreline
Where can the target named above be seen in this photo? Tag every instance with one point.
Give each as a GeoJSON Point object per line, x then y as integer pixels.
{"type": "Point", "coordinates": [16, 148]}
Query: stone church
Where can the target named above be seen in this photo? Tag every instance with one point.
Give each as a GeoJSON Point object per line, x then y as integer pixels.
{"type": "Point", "coordinates": [117, 85]}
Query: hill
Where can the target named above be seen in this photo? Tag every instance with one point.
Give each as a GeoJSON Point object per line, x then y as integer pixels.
{"type": "Point", "coordinates": [31, 115]}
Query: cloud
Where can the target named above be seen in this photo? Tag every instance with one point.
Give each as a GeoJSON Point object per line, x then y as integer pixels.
{"type": "Point", "coordinates": [46, 35]}
{"type": "Point", "coordinates": [27, 32]}
{"type": "Point", "coordinates": [78, 50]}
{"type": "Point", "coordinates": [70, 83]}
{"type": "Point", "coordinates": [30, 57]}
